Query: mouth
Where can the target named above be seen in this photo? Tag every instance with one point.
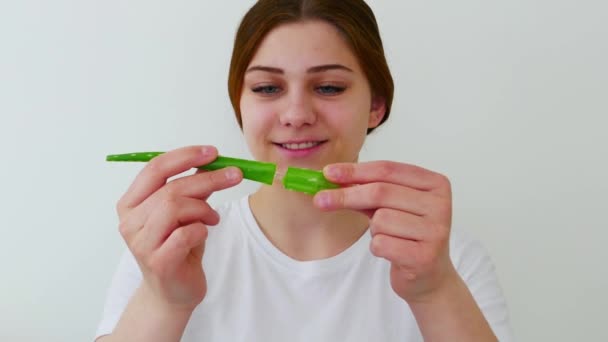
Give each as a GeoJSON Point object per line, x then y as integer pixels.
{"type": "Point", "coordinates": [298, 146]}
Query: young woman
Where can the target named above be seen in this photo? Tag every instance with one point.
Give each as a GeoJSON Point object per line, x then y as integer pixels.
{"type": "Point", "coordinates": [375, 260]}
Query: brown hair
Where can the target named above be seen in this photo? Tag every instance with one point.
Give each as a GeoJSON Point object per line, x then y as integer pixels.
{"type": "Point", "coordinates": [353, 18]}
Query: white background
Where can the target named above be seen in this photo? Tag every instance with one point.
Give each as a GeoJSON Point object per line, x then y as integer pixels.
{"type": "Point", "coordinates": [509, 99]}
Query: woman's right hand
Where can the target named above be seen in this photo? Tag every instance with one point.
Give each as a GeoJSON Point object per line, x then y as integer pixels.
{"type": "Point", "coordinates": [164, 223]}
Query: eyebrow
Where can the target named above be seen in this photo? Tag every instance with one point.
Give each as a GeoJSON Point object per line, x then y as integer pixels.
{"type": "Point", "coordinates": [315, 69]}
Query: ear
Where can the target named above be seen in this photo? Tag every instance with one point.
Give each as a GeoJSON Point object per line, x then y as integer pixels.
{"type": "Point", "coordinates": [377, 111]}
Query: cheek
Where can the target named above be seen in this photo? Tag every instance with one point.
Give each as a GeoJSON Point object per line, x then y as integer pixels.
{"type": "Point", "coordinates": [257, 118]}
{"type": "Point", "coordinates": [347, 117]}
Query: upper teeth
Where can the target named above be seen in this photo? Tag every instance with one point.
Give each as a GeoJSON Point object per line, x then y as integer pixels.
{"type": "Point", "coordinates": [300, 145]}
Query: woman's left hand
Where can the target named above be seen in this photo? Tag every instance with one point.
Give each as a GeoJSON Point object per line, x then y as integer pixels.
{"type": "Point", "coordinates": [410, 210]}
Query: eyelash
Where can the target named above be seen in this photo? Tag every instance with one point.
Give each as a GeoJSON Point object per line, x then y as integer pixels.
{"type": "Point", "coordinates": [335, 89]}
{"type": "Point", "coordinates": [264, 90]}
{"type": "Point", "coordinates": [269, 90]}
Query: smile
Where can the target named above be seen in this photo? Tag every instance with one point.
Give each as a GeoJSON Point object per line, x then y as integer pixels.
{"type": "Point", "coordinates": [301, 146]}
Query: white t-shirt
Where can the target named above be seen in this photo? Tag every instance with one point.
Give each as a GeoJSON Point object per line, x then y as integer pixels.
{"type": "Point", "coordinates": [256, 293]}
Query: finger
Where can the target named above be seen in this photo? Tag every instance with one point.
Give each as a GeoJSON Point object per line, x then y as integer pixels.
{"type": "Point", "coordinates": [368, 212]}
{"type": "Point", "coordinates": [183, 241]}
{"type": "Point", "coordinates": [388, 172]}
{"type": "Point", "coordinates": [380, 195]}
{"type": "Point", "coordinates": [202, 185]}
{"type": "Point", "coordinates": [400, 224]}
{"type": "Point", "coordinates": [155, 174]}
{"type": "Point", "coordinates": [171, 215]}
{"type": "Point", "coordinates": [197, 186]}
{"type": "Point", "coordinates": [402, 252]}
{"type": "Point", "coordinates": [131, 222]}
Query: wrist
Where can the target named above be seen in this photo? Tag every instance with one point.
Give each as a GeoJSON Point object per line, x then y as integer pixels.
{"type": "Point", "coordinates": [450, 285]}
{"type": "Point", "coordinates": [149, 318]}
{"type": "Point", "coordinates": [158, 304]}
{"type": "Point", "coordinates": [451, 313]}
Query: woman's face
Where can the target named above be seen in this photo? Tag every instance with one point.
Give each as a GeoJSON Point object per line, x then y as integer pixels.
{"type": "Point", "coordinates": [305, 100]}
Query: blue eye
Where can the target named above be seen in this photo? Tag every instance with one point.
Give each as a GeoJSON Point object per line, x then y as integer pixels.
{"type": "Point", "coordinates": [330, 90]}
{"type": "Point", "coordinates": [265, 90]}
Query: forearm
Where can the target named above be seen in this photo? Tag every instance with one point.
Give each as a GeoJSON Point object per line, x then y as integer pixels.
{"type": "Point", "coordinates": [452, 315]}
{"type": "Point", "coordinates": [146, 319]}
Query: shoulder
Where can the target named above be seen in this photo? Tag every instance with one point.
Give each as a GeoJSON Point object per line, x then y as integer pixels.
{"type": "Point", "coordinates": [477, 270]}
{"type": "Point", "coordinates": [468, 254]}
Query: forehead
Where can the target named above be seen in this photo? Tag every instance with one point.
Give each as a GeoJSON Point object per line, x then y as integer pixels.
{"type": "Point", "coordinates": [298, 46]}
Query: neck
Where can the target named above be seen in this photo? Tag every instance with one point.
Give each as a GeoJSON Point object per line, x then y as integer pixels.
{"type": "Point", "coordinates": [300, 230]}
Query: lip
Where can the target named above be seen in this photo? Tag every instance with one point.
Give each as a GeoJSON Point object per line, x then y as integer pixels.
{"type": "Point", "coordinates": [299, 141]}
{"type": "Point", "coordinates": [291, 154]}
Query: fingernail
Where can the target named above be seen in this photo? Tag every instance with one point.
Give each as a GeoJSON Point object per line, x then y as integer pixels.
{"type": "Point", "coordinates": [232, 174]}
{"type": "Point", "coordinates": [324, 200]}
{"type": "Point", "coordinates": [206, 150]}
{"type": "Point", "coordinates": [334, 171]}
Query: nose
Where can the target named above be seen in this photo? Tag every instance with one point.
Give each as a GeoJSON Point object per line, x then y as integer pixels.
{"type": "Point", "coordinates": [299, 111]}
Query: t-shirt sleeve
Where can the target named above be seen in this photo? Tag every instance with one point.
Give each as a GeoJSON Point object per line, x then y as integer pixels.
{"type": "Point", "coordinates": [477, 270]}
{"type": "Point", "coordinates": [125, 281]}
